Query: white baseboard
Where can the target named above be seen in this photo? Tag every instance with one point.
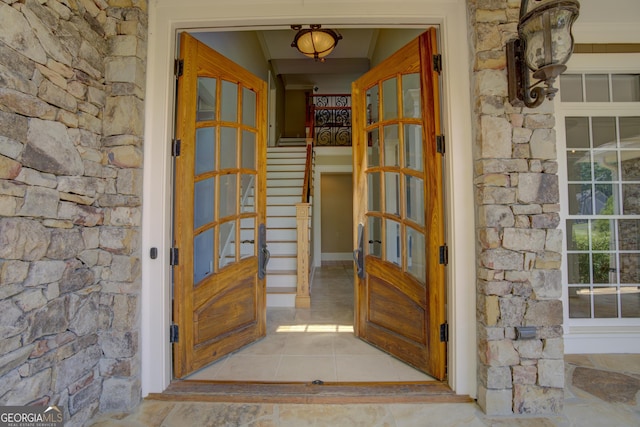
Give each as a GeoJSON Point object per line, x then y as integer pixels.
{"type": "Point", "coordinates": [337, 256]}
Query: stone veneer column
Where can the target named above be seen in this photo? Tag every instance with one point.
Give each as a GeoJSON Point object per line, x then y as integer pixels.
{"type": "Point", "coordinates": [518, 244]}
{"type": "Point", "coordinates": [71, 127]}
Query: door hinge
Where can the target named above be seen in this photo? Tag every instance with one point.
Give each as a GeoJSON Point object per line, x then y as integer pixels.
{"type": "Point", "coordinates": [437, 63]}
{"type": "Point", "coordinates": [444, 332]}
{"type": "Point", "coordinates": [174, 333]}
{"type": "Point", "coordinates": [440, 144]}
{"type": "Point", "coordinates": [444, 254]}
{"type": "Point", "coordinates": [175, 147]}
{"type": "Point", "coordinates": [174, 256]}
{"type": "Point", "coordinates": [178, 67]}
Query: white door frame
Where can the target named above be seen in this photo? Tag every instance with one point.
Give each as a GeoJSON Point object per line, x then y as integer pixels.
{"type": "Point", "coordinates": [166, 17]}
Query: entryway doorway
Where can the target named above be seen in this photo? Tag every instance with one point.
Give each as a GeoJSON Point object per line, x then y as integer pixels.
{"type": "Point", "coordinates": [396, 270]}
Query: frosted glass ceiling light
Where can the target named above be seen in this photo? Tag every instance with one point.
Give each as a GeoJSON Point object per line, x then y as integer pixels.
{"type": "Point", "coordinates": [315, 42]}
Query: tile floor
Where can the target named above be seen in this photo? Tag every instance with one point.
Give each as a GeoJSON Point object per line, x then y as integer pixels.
{"type": "Point", "coordinates": [313, 344]}
{"type": "Point", "coordinates": [592, 399]}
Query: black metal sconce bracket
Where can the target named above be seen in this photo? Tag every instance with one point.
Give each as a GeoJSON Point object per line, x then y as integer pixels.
{"type": "Point", "coordinates": [520, 93]}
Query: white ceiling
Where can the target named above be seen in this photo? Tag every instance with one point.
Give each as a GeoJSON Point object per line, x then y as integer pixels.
{"type": "Point", "coordinates": [355, 43]}
{"type": "Point", "coordinates": [357, 51]}
{"type": "Point", "coordinates": [351, 56]}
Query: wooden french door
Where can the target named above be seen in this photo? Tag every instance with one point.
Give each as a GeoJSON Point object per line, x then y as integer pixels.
{"type": "Point", "coordinates": [219, 288]}
{"type": "Point", "coordinates": [398, 207]}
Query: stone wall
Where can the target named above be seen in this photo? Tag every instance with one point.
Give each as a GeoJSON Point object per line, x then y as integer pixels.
{"type": "Point", "coordinates": [71, 124]}
{"type": "Point", "coordinates": [519, 245]}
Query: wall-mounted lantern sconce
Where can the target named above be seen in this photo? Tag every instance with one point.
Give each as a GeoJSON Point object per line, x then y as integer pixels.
{"type": "Point", "coordinates": [315, 42]}
{"type": "Point", "coordinates": [543, 46]}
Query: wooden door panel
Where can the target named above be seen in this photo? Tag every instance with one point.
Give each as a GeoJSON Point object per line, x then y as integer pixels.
{"type": "Point", "coordinates": [394, 310]}
{"type": "Point", "coordinates": [219, 301]}
{"type": "Point", "coordinates": [400, 297]}
{"type": "Point", "coordinates": [408, 351]}
{"type": "Point", "coordinates": [390, 274]}
{"type": "Point", "coordinates": [233, 309]}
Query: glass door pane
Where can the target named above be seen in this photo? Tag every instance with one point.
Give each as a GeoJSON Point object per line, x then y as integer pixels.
{"type": "Point", "coordinates": [248, 107]}
{"type": "Point", "coordinates": [390, 99]}
{"type": "Point", "coordinates": [248, 153]}
{"type": "Point", "coordinates": [413, 147]}
{"type": "Point", "coordinates": [227, 201]}
{"type": "Point", "coordinates": [414, 199]}
{"type": "Point", "coordinates": [247, 237]}
{"type": "Point", "coordinates": [205, 150]}
{"type": "Point", "coordinates": [228, 143]}
{"type": "Point", "coordinates": [393, 245]}
{"type": "Point", "coordinates": [416, 256]}
{"type": "Point", "coordinates": [373, 150]}
{"type": "Point", "coordinates": [411, 96]}
{"type": "Point", "coordinates": [203, 202]}
{"type": "Point", "coordinates": [375, 236]}
{"type": "Point", "coordinates": [202, 255]}
{"type": "Point", "coordinates": [227, 251]}
{"type": "Point", "coordinates": [374, 192]}
{"type": "Point", "coordinates": [206, 103]}
{"type": "Point", "coordinates": [229, 104]}
{"type": "Point", "coordinates": [248, 191]}
{"type": "Point", "coordinates": [391, 143]}
{"type": "Point", "coordinates": [373, 104]}
{"type": "Point", "coordinates": [392, 193]}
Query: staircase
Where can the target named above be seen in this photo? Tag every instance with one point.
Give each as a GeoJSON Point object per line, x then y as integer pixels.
{"type": "Point", "coordinates": [285, 176]}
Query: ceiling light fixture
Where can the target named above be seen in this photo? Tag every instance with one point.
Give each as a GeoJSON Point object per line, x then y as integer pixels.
{"type": "Point", "coordinates": [315, 42]}
{"type": "Point", "coordinates": [544, 45]}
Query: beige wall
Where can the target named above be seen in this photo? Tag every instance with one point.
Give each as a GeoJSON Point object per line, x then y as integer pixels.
{"type": "Point", "coordinates": [390, 40]}
{"type": "Point", "coordinates": [242, 47]}
{"type": "Point", "coordinates": [294, 117]}
{"type": "Point", "coordinates": [336, 212]}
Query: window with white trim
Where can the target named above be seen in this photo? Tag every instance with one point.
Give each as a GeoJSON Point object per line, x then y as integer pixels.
{"type": "Point", "coordinates": [599, 113]}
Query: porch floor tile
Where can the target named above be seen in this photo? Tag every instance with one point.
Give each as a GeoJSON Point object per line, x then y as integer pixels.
{"type": "Point", "coordinates": [580, 409]}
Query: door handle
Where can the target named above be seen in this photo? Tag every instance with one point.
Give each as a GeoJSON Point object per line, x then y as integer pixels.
{"type": "Point", "coordinates": [358, 253]}
{"type": "Point", "coordinates": [267, 257]}
{"type": "Point", "coordinates": [263, 253]}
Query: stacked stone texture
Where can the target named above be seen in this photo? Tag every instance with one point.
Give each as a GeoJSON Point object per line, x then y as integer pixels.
{"type": "Point", "coordinates": [71, 126]}
{"type": "Point", "coordinates": [519, 245]}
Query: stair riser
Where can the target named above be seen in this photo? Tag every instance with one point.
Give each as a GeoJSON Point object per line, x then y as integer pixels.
{"type": "Point", "coordinates": [285, 168]}
{"type": "Point", "coordinates": [281, 300]}
{"type": "Point", "coordinates": [281, 234]}
{"type": "Point", "coordinates": [281, 280]}
{"type": "Point", "coordinates": [286, 183]}
{"type": "Point", "coordinates": [281, 211]}
{"type": "Point", "coordinates": [282, 264]}
{"type": "Point", "coordinates": [274, 235]}
{"type": "Point", "coordinates": [301, 160]}
{"type": "Point", "coordinates": [280, 150]}
{"type": "Point", "coordinates": [285, 191]}
{"type": "Point", "coordinates": [281, 222]}
{"type": "Point", "coordinates": [297, 157]}
{"type": "Point", "coordinates": [285, 175]}
{"type": "Point", "coordinates": [279, 200]}
{"type": "Point", "coordinates": [283, 200]}
{"type": "Point", "coordinates": [281, 248]}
